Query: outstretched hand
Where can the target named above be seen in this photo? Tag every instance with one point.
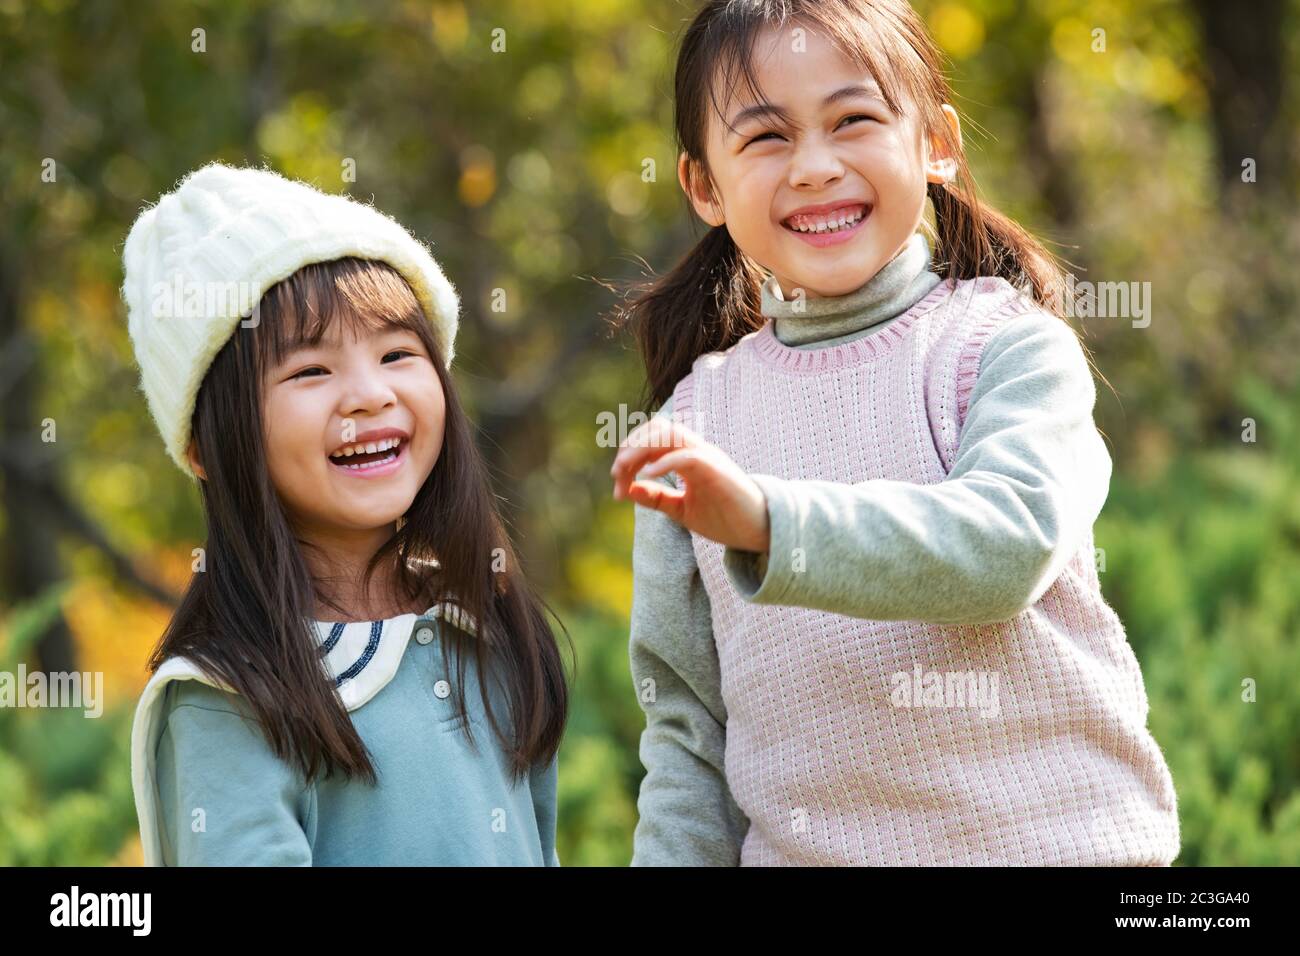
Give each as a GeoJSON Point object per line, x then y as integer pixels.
{"type": "Point", "coordinates": [717, 499]}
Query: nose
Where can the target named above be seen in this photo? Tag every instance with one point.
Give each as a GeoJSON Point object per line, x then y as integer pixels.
{"type": "Point", "coordinates": [366, 390]}
{"type": "Point", "coordinates": [814, 164]}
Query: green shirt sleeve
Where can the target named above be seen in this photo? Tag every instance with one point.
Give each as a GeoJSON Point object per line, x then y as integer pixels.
{"type": "Point", "coordinates": [1029, 480]}
{"type": "Point", "coordinates": [224, 798]}
{"type": "Point", "coordinates": [687, 814]}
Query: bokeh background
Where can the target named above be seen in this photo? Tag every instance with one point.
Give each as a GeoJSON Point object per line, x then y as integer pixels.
{"type": "Point", "coordinates": [1169, 156]}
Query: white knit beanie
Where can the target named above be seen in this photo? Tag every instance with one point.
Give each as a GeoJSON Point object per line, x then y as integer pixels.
{"type": "Point", "coordinates": [198, 261]}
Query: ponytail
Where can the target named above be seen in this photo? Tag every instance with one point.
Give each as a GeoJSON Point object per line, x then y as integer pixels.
{"type": "Point", "coordinates": [974, 239]}
{"type": "Point", "coordinates": [707, 303]}
{"type": "Point", "coordinates": [977, 240]}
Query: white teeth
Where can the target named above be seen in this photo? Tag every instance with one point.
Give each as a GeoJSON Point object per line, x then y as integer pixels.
{"type": "Point", "coordinates": [373, 464]}
{"type": "Point", "coordinates": [369, 447]}
{"type": "Point", "coordinates": [844, 221]}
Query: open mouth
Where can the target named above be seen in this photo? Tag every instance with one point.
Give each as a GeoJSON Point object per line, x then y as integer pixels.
{"type": "Point", "coordinates": [828, 228]}
{"type": "Point", "coordinates": [369, 458]}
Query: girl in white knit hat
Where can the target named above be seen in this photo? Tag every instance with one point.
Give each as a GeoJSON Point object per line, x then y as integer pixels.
{"type": "Point", "coordinates": [358, 672]}
{"type": "Point", "coordinates": [867, 625]}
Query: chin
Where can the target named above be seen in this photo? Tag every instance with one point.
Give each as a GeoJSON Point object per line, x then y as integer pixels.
{"type": "Point", "coordinates": [836, 283]}
{"type": "Point", "coordinates": [844, 289]}
{"type": "Point", "coordinates": [370, 520]}
{"type": "Point", "coordinates": [372, 507]}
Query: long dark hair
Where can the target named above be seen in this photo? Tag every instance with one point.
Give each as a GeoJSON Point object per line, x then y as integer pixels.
{"type": "Point", "coordinates": [246, 618]}
{"type": "Point", "coordinates": [713, 297]}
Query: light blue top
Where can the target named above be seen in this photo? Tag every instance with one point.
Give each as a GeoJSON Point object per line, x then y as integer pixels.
{"type": "Point", "coordinates": [226, 800]}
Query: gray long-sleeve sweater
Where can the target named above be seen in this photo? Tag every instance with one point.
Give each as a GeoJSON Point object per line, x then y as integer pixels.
{"type": "Point", "coordinates": [1029, 457]}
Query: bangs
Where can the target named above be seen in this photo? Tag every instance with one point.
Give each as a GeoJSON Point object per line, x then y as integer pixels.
{"type": "Point", "coordinates": [869, 35]}
{"type": "Point", "coordinates": [362, 295]}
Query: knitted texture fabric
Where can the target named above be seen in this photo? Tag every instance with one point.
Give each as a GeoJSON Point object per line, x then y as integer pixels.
{"type": "Point", "coordinates": [197, 263]}
{"type": "Point", "coordinates": [856, 741]}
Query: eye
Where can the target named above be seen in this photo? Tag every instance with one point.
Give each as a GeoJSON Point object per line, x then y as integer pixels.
{"type": "Point", "coordinates": [314, 368]}
{"type": "Point", "coordinates": [762, 136]}
{"type": "Point", "coordinates": [857, 116]}
{"type": "Point", "coordinates": [401, 352]}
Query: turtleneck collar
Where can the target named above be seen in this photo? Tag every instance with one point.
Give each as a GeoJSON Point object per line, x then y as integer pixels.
{"type": "Point", "coordinates": [900, 284]}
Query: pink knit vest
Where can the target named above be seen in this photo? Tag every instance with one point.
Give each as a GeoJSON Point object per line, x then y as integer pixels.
{"type": "Point", "coordinates": [820, 755]}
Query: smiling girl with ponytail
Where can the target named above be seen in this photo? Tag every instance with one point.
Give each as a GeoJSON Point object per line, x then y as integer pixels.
{"type": "Point", "coordinates": [867, 627]}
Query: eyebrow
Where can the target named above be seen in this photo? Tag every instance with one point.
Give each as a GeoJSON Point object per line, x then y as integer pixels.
{"type": "Point", "coordinates": [769, 109]}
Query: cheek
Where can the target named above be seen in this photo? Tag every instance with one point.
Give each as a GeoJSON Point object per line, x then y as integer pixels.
{"type": "Point", "coordinates": [438, 423]}
{"type": "Point", "coordinates": [430, 405]}
{"type": "Point", "coordinates": [899, 190]}
{"type": "Point", "coordinates": [292, 437]}
{"type": "Point", "coordinates": [888, 156]}
{"type": "Point", "coordinates": [283, 472]}
{"type": "Point", "coordinates": [887, 166]}
{"type": "Point", "coordinates": [759, 177]}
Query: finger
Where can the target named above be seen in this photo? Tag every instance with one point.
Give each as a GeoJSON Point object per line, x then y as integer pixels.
{"type": "Point", "coordinates": [682, 461]}
{"type": "Point", "coordinates": [632, 458]}
{"type": "Point", "coordinates": [658, 433]}
{"type": "Point", "coordinates": [637, 439]}
{"type": "Point", "coordinates": [631, 466]}
{"type": "Point", "coordinates": [659, 497]}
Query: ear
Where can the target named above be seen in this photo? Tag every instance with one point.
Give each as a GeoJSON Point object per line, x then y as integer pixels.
{"type": "Point", "coordinates": [940, 163]}
{"type": "Point", "coordinates": [696, 190]}
{"type": "Point", "coordinates": [193, 455]}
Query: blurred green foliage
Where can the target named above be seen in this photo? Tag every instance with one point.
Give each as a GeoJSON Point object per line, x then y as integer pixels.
{"type": "Point", "coordinates": [1202, 564]}
{"type": "Point", "coordinates": [65, 796]}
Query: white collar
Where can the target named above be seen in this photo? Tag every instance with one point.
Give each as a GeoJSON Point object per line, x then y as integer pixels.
{"type": "Point", "coordinates": [363, 656]}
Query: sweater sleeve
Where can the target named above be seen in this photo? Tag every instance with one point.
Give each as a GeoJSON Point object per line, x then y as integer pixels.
{"type": "Point", "coordinates": [224, 798]}
{"type": "Point", "coordinates": [687, 814]}
{"type": "Point", "coordinates": [1030, 477]}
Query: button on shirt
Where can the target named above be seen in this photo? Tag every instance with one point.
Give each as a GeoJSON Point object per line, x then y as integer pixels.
{"type": "Point", "coordinates": [225, 799]}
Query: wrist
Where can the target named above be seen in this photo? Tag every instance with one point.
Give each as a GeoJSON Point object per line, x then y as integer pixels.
{"type": "Point", "coordinates": [761, 541]}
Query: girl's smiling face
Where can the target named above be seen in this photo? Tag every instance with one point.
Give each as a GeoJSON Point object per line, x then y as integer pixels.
{"type": "Point", "coordinates": [321, 399]}
{"type": "Point", "coordinates": [821, 183]}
